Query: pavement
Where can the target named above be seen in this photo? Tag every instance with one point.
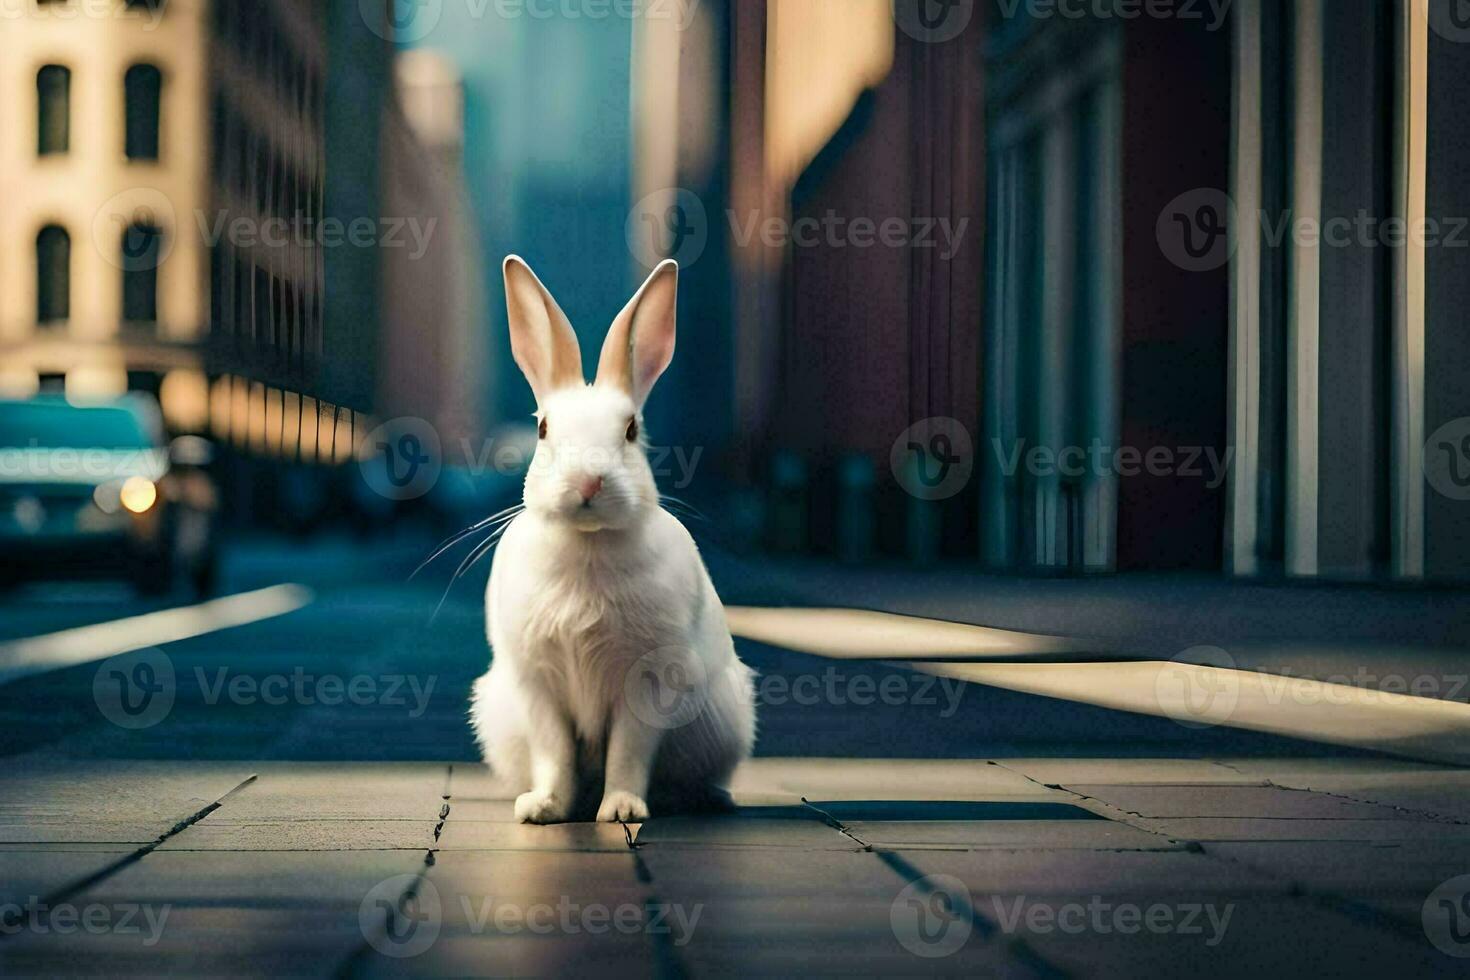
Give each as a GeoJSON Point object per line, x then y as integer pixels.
{"type": "Point", "coordinates": [983, 867]}
{"type": "Point", "coordinates": [297, 794]}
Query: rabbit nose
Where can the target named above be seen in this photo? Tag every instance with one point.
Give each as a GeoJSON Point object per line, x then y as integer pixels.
{"type": "Point", "coordinates": [590, 487]}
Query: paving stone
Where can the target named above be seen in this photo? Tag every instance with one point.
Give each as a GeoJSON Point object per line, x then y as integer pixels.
{"type": "Point", "coordinates": [1079, 871]}
{"type": "Point", "coordinates": [1353, 868]}
{"type": "Point", "coordinates": [217, 941]}
{"type": "Point", "coordinates": [1009, 834]}
{"type": "Point", "coordinates": [475, 781]}
{"type": "Point", "coordinates": [889, 779]}
{"type": "Point", "coordinates": [1426, 793]}
{"type": "Point", "coordinates": [501, 811]}
{"type": "Point", "coordinates": [481, 835]}
{"type": "Point", "coordinates": [83, 831]}
{"type": "Point", "coordinates": [1266, 829]}
{"type": "Point", "coordinates": [327, 791]}
{"type": "Point", "coordinates": [682, 872]}
{"type": "Point", "coordinates": [262, 879]}
{"type": "Point", "coordinates": [1133, 772]}
{"type": "Point", "coordinates": [533, 874]}
{"type": "Point", "coordinates": [1229, 801]}
{"type": "Point", "coordinates": [581, 955]}
{"type": "Point", "coordinates": [1296, 770]}
{"type": "Point", "coordinates": [305, 835]}
{"type": "Point", "coordinates": [849, 956]}
{"type": "Point", "coordinates": [744, 831]}
{"type": "Point", "coordinates": [36, 874]}
{"type": "Point", "coordinates": [65, 801]}
{"type": "Point", "coordinates": [1264, 936]}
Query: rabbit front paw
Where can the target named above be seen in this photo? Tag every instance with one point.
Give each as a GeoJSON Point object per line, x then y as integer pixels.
{"type": "Point", "coordinates": [620, 805]}
{"type": "Point", "coordinates": [538, 806]}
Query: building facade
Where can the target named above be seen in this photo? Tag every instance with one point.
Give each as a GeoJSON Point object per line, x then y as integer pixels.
{"type": "Point", "coordinates": [102, 172]}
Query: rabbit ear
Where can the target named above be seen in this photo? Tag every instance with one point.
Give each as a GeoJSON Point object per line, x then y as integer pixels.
{"type": "Point", "coordinates": [640, 344]}
{"type": "Point", "coordinates": [541, 337]}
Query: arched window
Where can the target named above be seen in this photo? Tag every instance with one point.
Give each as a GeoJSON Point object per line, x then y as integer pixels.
{"type": "Point", "coordinates": [53, 275]}
{"type": "Point", "coordinates": [53, 110]}
{"type": "Point", "coordinates": [141, 251]}
{"type": "Point", "coordinates": [143, 89]}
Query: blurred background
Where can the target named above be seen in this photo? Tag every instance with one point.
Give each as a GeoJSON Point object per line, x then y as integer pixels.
{"type": "Point", "coordinates": [1010, 291]}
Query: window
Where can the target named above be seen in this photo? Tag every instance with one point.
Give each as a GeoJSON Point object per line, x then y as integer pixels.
{"type": "Point", "coordinates": [143, 87]}
{"type": "Point", "coordinates": [53, 275]}
{"type": "Point", "coordinates": [141, 249]}
{"type": "Point", "coordinates": [53, 110]}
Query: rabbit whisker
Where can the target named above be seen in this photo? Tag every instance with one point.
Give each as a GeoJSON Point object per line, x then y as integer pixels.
{"type": "Point", "coordinates": [504, 517]}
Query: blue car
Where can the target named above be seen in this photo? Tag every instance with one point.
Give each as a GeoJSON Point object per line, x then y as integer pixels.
{"type": "Point", "coordinates": [95, 490]}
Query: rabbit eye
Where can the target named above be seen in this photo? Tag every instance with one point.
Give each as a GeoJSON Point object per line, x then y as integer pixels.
{"type": "Point", "coordinates": [541, 430]}
{"type": "Point", "coordinates": [632, 429]}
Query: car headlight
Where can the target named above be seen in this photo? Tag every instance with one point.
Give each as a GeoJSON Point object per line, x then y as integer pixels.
{"type": "Point", "coordinates": [138, 494]}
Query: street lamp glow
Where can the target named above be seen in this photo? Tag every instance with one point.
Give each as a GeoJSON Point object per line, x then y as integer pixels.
{"type": "Point", "coordinates": [138, 494]}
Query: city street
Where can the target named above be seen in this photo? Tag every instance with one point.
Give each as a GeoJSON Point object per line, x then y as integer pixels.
{"type": "Point", "coordinates": [300, 796]}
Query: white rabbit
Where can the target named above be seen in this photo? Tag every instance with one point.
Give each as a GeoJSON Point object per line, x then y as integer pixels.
{"type": "Point", "coordinates": [613, 671]}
